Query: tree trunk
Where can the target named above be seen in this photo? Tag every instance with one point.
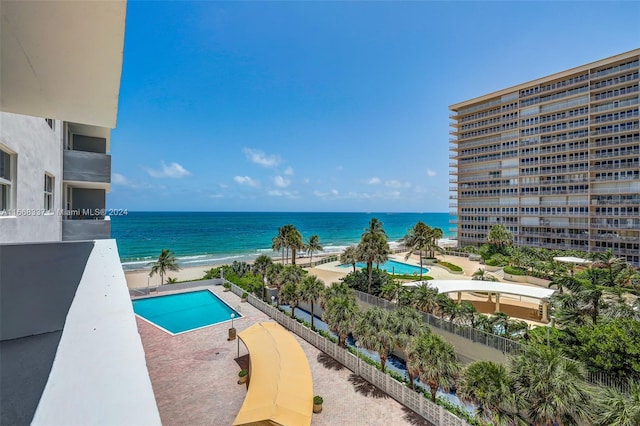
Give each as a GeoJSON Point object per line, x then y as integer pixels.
{"type": "Point", "coordinates": [411, 381]}
{"type": "Point", "coordinates": [161, 278]}
{"type": "Point", "coordinates": [312, 316]}
{"type": "Point", "coordinates": [293, 311]}
{"type": "Point", "coordinates": [420, 254]}
{"type": "Point", "coordinates": [383, 361]}
{"type": "Point", "coordinates": [293, 256]}
{"type": "Point", "coordinates": [434, 388]}
{"type": "Point", "coordinates": [370, 271]}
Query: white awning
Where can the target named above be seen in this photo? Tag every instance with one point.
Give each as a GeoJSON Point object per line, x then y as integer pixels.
{"type": "Point", "coordinates": [451, 286]}
{"type": "Point", "coordinates": [571, 259]}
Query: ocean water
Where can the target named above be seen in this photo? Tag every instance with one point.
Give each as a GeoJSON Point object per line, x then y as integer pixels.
{"type": "Point", "coordinates": [207, 238]}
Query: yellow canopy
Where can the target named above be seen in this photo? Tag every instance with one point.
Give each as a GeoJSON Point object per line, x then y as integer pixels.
{"type": "Point", "coordinates": [280, 385]}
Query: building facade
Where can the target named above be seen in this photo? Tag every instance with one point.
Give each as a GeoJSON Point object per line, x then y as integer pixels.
{"type": "Point", "coordinates": [54, 176]}
{"type": "Point", "coordinates": [555, 160]}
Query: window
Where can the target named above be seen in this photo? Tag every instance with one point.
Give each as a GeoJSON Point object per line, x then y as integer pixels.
{"type": "Point", "coordinates": [5, 181]}
{"type": "Point", "coordinates": [50, 122]}
{"type": "Point", "coordinates": [48, 193]}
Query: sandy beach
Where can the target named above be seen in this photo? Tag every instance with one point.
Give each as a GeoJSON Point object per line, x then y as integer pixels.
{"type": "Point", "coordinates": [140, 278]}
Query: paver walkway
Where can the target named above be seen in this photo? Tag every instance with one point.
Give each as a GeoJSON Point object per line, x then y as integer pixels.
{"type": "Point", "coordinates": [194, 377]}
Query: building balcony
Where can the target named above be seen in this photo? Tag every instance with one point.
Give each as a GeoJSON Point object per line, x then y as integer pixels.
{"type": "Point", "coordinates": [86, 229]}
{"type": "Point", "coordinates": [82, 166]}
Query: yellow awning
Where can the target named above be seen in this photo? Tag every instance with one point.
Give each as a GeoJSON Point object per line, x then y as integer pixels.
{"type": "Point", "coordinates": [280, 385]}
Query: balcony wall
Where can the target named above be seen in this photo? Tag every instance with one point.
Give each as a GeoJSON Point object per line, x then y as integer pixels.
{"type": "Point", "coordinates": [84, 166]}
{"type": "Point", "coordinates": [87, 229]}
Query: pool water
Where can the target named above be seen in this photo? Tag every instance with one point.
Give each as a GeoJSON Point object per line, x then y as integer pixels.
{"type": "Point", "coordinates": [393, 267]}
{"type": "Point", "coordinates": [179, 313]}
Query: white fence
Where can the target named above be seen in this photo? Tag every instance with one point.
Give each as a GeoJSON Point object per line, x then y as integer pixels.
{"type": "Point", "coordinates": [433, 413]}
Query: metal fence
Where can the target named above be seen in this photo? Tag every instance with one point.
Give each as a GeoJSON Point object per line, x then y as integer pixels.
{"type": "Point", "coordinates": [433, 413]}
{"type": "Point", "coordinates": [500, 343]}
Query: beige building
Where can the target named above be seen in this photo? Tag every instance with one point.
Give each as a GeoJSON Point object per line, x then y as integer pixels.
{"type": "Point", "coordinates": [555, 160]}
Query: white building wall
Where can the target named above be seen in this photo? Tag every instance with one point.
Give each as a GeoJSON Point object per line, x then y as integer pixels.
{"type": "Point", "coordinates": [38, 151]}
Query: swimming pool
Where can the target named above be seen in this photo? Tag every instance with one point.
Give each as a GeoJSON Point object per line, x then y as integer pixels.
{"type": "Point", "coordinates": [182, 312]}
{"type": "Point", "coordinates": [393, 267]}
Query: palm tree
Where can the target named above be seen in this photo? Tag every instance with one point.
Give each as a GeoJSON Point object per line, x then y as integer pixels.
{"type": "Point", "coordinates": [391, 289]}
{"type": "Point", "coordinates": [425, 298]}
{"type": "Point", "coordinates": [291, 295]}
{"type": "Point", "coordinates": [612, 264]}
{"type": "Point", "coordinates": [350, 256]}
{"type": "Point", "coordinates": [312, 246]}
{"type": "Point", "coordinates": [499, 236]}
{"type": "Point", "coordinates": [260, 267]}
{"type": "Point", "coordinates": [311, 290]}
{"type": "Point", "coordinates": [373, 247]}
{"type": "Point", "coordinates": [418, 239]}
{"type": "Point", "coordinates": [589, 293]}
{"type": "Point", "coordinates": [341, 314]}
{"type": "Point", "coordinates": [166, 262]}
{"type": "Point", "coordinates": [435, 362]}
{"type": "Point", "coordinates": [616, 408]}
{"type": "Point", "coordinates": [293, 274]}
{"type": "Point", "coordinates": [279, 242]}
{"type": "Point", "coordinates": [335, 290]}
{"type": "Point", "coordinates": [434, 235]}
{"type": "Point", "coordinates": [275, 274]}
{"type": "Point", "coordinates": [293, 241]}
{"type": "Point", "coordinates": [487, 385]}
{"type": "Point", "coordinates": [552, 386]}
{"type": "Point", "coordinates": [374, 333]}
{"type": "Point", "coordinates": [482, 275]}
{"type": "Point", "coordinates": [407, 324]}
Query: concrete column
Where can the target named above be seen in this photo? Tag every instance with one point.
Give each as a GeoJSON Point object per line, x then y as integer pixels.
{"type": "Point", "coordinates": [545, 311]}
{"type": "Point", "coordinates": [497, 302]}
{"type": "Point", "coordinates": [459, 297]}
{"type": "Point", "coordinates": [489, 298]}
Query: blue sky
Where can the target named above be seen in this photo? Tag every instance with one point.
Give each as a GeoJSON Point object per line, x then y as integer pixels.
{"type": "Point", "coordinates": [325, 106]}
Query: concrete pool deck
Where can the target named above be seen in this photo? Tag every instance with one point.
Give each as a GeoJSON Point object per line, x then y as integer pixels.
{"type": "Point", "coordinates": [194, 377]}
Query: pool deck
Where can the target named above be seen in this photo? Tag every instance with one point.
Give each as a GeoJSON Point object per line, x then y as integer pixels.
{"type": "Point", "coordinates": [194, 377]}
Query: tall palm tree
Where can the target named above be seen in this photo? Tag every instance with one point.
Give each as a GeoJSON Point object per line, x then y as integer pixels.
{"type": "Point", "coordinates": [341, 314]}
{"type": "Point", "coordinates": [374, 333]}
{"type": "Point", "coordinates": [311, 290]}
{"type": "Point", "coordinates": [407, 324]}
{"type": "Point", "coordinates": [313, 246]}
{"type": "Point", "coordinates": [499, 236]}
{"type": "Point", "coordinates": [435, 361]}
{"type": "Point", "coordinates": [279, 242]}
{"type": "Point", "coordinates": [487, 385]}
{"type": "Point", "coordinates": [434, 235]}
{"type": "Point", "coordinates": [350, 256]}
{"type": "Point", "coordinates": [417, 240]}
{"type": "Point", "coordinates": [260, 267]}
{"type": "Point", "coordinates": [612, 264]}
{"type": "Point", "coordinates": [616, 408]}
{"type": "Point", "coordinates": [373, 247]}
{"type": "Point", "coordinates": [589, 293]}
{"type": "Point", "coordinates": [391, 289]}
{"type": "Point", "coordinates": [293, 241]}
{"type": "Point", "coordinates": [166, 262]}
{"type": "Point", "coordinates": [293, 274]}
{"type": "Point", "coordinates": [292, 296]}
{"type": "Point", "coordinates": [552, 386]}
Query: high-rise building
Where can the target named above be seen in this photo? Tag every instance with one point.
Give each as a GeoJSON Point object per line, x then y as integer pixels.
{"type": "Point", "coordinates": [555, 160]}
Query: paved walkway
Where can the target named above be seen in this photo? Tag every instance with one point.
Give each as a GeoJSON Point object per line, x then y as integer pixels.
{"type": "Point", "coordinates": [194, 377]}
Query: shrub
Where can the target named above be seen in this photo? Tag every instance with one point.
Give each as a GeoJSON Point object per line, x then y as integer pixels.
{"type": "Point", "coordinates": [317, 400]}
{"type": "Point", "coordinates": [245, 295]}
{"type": "Point", "coordinates": [243, 373]}
{"type": "Point", "coordinates": [450, 266]}
{"type": "Point", "coordinates": [512, 270]}
{"type": "Point", "coordinates": [226, 285]}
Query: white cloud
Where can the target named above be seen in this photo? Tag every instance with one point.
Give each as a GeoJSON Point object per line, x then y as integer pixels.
{"type": "Point", "coordinates": [279, 193]}
{"type": "Point", "coordinates": [281, 182]}
{"type": "Point", "coordinates": [306, 180]}
{"type": "Point", "coordinates": [118, 179]}
{"type": "Point", "coordinates": [259, 157]}
{"type": "Point", "coordinates": [173, 170]}
{"type": "Point", "coordinates": [288, 171]}
{"type": "Point", "coordinates": [246, 180]}
{"type": "Point", "coordinates": [397, 184]}
{"type": "Point", "coordinates": [431, 173]}
{"type": "Point", "coordinates": [374, 181]}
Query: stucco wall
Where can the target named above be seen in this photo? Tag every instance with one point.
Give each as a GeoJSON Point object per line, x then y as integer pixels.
{"type": "Point", "coordinates": [39, 150]}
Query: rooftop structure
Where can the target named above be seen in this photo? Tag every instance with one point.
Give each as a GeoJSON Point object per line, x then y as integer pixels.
{"type": "Point", "coordinates": [555, 160]}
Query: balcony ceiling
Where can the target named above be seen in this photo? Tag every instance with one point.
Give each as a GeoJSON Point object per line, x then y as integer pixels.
{"type": "Point", "coordinates": [62, 59]}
